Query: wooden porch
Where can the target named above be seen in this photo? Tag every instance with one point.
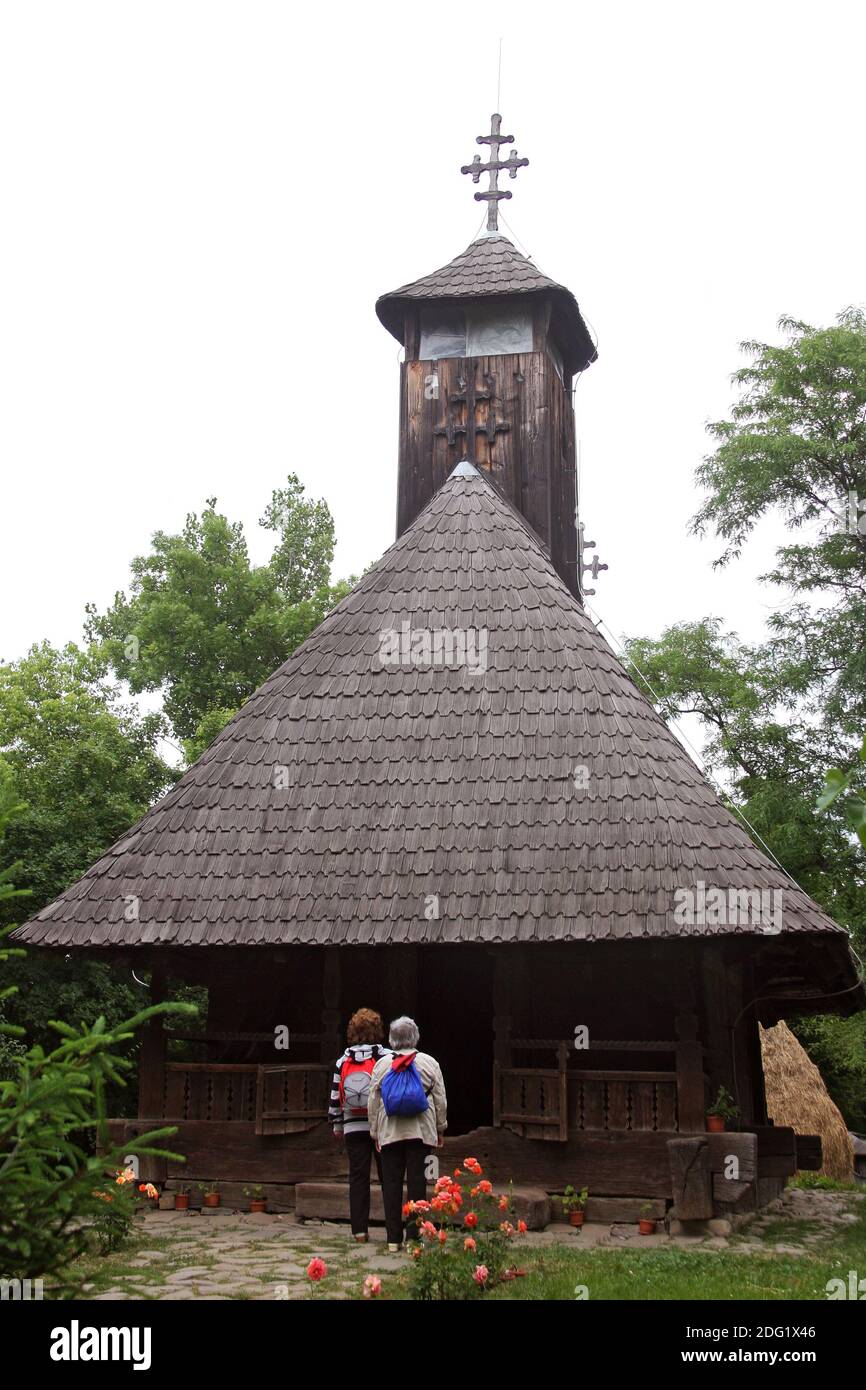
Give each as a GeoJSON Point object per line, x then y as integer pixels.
{"type": "Point", "coordinates": [548, 1108]}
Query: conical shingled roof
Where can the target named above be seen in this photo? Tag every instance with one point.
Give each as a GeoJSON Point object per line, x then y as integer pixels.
{"type": "Point", "coordinates": [492, 265]}
{"type": "Point", "coordinates": [347, 791]}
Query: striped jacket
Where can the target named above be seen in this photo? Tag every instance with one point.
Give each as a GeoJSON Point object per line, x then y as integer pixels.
{"type": "Point", "coordinates": [343, 1121]}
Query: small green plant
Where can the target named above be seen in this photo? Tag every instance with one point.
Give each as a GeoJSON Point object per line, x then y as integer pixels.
{"type": "Point", "coordinates": [256, 1192]}
{"type": "Point", "coordinates": [182, 1190]}
{"type": "Point", "coordinates": [724, 1105]}
{"type": "Point", "coordinates": [55, 1146]}
{"type": "Point", "coordinates": [122, 1198]}
{"type": "Point", "coordinates": [573, 1200]}
{"type": "Point", "coordinates": [646, 1211]}
{"type": "Point", "coordinates": [209, 1189]}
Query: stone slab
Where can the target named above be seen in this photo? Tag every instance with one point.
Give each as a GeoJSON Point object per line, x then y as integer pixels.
{"type": "Point", "coordinates": [624, 1209]}
{"type": "Point", "coordinates": [329, 1201]}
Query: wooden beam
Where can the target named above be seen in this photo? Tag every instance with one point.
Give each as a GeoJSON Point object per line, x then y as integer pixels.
{"type": "Point", "coordinates": [691, 1098]}
{"type": "Point", "coordinates": [610, 1165]}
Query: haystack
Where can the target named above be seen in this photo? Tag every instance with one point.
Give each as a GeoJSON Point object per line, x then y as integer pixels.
{"type": "Point", "coordinates": [797, 1096]}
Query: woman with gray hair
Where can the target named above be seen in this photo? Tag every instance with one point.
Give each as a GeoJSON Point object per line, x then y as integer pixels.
{"type": "Point", "coordinates": [407, 1110]}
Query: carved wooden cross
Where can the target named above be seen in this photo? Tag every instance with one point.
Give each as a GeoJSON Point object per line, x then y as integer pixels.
{"type": "Point", "coordinates": [470, 396]}
{"type": "Point", "coordinates": [492, 168]}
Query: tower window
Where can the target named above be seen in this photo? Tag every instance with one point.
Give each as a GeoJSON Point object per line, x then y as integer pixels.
{"type": "Point", "coordinates": [487, 330]}
{"type": "Point", "coordinates": [492, 330]}
{"type": "Point", "coordinates": [443, 333]}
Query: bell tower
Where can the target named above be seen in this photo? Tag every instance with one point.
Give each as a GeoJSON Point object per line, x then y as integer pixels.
{"type": "Point", "coordinates": [491, 349]}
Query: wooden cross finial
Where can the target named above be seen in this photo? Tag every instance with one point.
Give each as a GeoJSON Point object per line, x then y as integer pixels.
{"type": "Point", "coordinates": [492, 168]}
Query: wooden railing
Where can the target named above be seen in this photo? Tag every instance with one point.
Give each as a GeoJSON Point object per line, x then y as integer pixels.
{"type": "Point", "coordinates": [622, 1100]}
{"type": "Point", "coordinates": [549, 1102]}
{"type": "Point", "coordinates": [533, 1100]}
{"type": "Point", "coordinates": [281, 1099]}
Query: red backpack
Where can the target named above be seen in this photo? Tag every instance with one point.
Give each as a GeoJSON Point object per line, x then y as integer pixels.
{"type": "Point", "coordinates": [355, 1085]}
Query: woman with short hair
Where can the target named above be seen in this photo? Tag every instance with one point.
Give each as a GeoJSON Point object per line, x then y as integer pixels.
{"type": "Point", "coordinates": [408, 1118]}
{"type": "Point", "coordinates": [350, 1092]}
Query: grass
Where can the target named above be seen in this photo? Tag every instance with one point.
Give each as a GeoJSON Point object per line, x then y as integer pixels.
{"type": "Point", "coordinates": [563, 1274]}
{"type": "Point", "coordinates": [670, 1274]}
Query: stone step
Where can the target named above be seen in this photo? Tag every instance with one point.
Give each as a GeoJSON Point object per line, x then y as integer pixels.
{"type": "Point", "coordinates": [329, 1201]}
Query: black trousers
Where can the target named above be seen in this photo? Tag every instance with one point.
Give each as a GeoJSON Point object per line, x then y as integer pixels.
{"type": "Point", "coordinates": [360, 1149]}
{"type": "Point", "coordinates": [405, 1158]}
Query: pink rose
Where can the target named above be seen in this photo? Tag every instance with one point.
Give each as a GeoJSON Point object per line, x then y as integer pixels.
{"type": "Point", "coordinates": [316, 1269]}
{"type": "Point", "coordinates": [481, 1274]}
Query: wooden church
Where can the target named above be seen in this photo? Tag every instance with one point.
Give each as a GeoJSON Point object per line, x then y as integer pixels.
{"type": "Point", "coordinates": [453, 801]}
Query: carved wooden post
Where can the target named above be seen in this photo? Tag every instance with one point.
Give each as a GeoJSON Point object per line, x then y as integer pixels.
{"type": "Point", "coordinates": [331, 1005]}
{"type": "Point", "coordinates": [691, 1104]}
{"type": "Point", "coordinates": [562, 1067]}
{"type": "Point", "coordinates": [151, 1066]}
{"type": "Point", "coordinates": [503, 977]}
{"type": "Point", "coordinates": [502, 1001]}
{"type": "Point", "coordinates": [151, 1079]}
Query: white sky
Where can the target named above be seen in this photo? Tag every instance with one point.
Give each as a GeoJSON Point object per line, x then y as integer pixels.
{"type": "Point", "coordinates": [203, 201]}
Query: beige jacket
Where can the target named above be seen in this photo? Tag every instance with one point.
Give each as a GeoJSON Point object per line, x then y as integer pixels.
{"type": "Point", "coordinates": [429, 1125]}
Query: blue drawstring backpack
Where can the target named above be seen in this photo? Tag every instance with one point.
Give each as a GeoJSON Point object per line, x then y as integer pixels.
{"type": "Point", "coordinates": [402, 1088]}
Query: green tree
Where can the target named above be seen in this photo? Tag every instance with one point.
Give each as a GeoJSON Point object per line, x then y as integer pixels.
{"type": "Point", "coordinates": [771, 760]}
{"type": "Point", "coordinates": [783, 718]}
{"type": "Point", "coordinates": [84, 765]}
{"type": "Point", "coordinates": [82, 768]}
{"type": "Point", "coordinates": [796, 445]}
{"type": "Point", "coordinates": [204, 626]}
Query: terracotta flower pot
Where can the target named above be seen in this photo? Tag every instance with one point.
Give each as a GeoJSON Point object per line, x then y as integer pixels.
{"type": "Point", "coordinates": [576, 1218]}
{"type": "Point", "coordinates": [211, 1199]}
{"type": "Point", "coordinates": [259, 1204]}
{"type": "Point", "coordinates": [715, 1124]}
{"type": "Point", "coordinates": [647, 1226]}
{"type": "Point", "coordinates": [181, 1201]}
